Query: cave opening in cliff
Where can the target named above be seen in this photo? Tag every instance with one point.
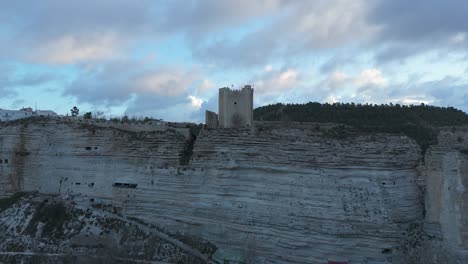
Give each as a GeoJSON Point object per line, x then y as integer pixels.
{"type": "Point", "coordinates": [124, 185]}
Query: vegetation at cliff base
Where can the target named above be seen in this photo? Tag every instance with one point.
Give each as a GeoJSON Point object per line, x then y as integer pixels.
{"type": "Point", "coordinates": [419, 122]}
{"type": "Point", "coordinates": [7, 202]}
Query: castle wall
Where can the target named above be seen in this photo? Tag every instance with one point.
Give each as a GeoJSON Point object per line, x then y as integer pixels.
{"type": "Point", "coordinates": [211, 120]}
{"type": "Point", "coordinates": [235, 107]}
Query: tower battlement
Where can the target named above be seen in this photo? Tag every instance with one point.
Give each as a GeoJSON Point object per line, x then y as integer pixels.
{"type": "Point", "coordinates": [236, 107]}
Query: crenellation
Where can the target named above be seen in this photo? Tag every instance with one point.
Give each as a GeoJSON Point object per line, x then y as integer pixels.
{"type": "Point", "coordinates": [235, 109]}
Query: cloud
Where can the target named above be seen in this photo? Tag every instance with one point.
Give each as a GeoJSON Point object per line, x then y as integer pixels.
{"type": "Point", "coordinates": [195, 102]}
{"type": "Point", "coordinates": [370, 77]}
{"type": "Point", "coordinates": [407, 28]}
{"type": "Point", "coordinates": [144, 90]}
{"type": "Point", "coordinates": [231, 33]}
{"type": "Point", "coordinates": [298, 28]}
{"type": "Point", "coordinates": [180, 109]}
{"type": "Point", "coordinates": [429, 20]}
{"type": "Point", "coordinates": [291, 51]}
{"type": "Point", "coordinates": [164, 82]}
{"type": "Point", "coordinates": [66, 32]}
{"type": "Point", "coordinates": [11, 79]}
{"type": "Point", "coordinates": [71, 49]}
{"type": "Point", "coordinates": [205, 86]}
{"type": "Point", "coordinates": [339, 87]}
{"type": "Point", "coordinates": [197, 19]}
{"type": "Point", "coordinates": [276, 81]}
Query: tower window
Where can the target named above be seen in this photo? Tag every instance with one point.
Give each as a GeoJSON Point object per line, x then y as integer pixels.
{"type": "Point", "coordinates": [235, 102]}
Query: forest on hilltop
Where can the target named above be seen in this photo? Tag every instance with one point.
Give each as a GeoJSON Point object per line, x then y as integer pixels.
{"type": "Point", "coordinates": [419, 122]}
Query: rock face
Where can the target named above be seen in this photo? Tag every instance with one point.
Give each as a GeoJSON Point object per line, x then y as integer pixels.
{"type": "Point", "coordinates": [447, 191]}
{"type": "Point", "coordinates": [42, 155]}
{"type": "Point", "coordinates": [45, 229]}
{"type": "Point", "coordinates": [283, 193]}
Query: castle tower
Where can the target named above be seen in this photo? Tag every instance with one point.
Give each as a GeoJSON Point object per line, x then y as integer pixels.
{"type": "Point", "coordinates": [236, 107]}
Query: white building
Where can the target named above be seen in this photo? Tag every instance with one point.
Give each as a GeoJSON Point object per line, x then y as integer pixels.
{"type": "Point", "coordinates": [9, 115]}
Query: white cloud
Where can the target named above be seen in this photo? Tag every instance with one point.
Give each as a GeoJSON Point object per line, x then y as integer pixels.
{"type": "Point", "coordinates": [268, 68]}
{"type": "Point", "coordinates": [337, 79]}
{"type": "Point", "coordinates": [328, 24]}
{"type": "Point", "coordinates": [458, 38]}
{"type": "Point", "coordinates": [370, 77]}
{"type": "Point", "coordinates": [167, 82]}
{"type": "Point", "coordinates": [195, 102]}
{"type": "Point", "coordinates": [414, 100]}
{"type": "Point", "coordinates": [277, 81]}
{"type": "Point", "coordinates": [205, 86]}
{"type": "Point", "coordinates": [70, 49]}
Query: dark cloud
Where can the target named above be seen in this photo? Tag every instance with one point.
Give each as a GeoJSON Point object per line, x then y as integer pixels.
{"type": "Point", "coordinates": [428, 20]}
{"type": "Point", "coordinates": [200, 18]}
{"type": "Point", "coordinates": [410, 27]}
{"type": "Point", "coordinates": [287, 28]}
{"type": "Point", "coordinates": [51, 18]}
{"type": "Point", "coordinates": [88, 26]}
{"type": "Point", "coordinates": [296, 29]}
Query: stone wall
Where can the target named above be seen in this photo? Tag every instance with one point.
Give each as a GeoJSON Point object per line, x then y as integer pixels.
{"type": "Point", "coordinates": [211, 120]}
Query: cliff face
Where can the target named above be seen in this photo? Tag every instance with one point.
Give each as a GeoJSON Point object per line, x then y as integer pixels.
{"type": "Point", "coordinates": [41, 155]}
{"type": "Point", "coordinates": [301, 194]}
{"type": "Point", "coordinates": [447, 191]}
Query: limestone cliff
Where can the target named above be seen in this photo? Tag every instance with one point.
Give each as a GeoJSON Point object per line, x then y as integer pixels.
{"type": "Point", "coordinates": [446, 202]}
{"type": "Point", "coordinates": [283, 193]}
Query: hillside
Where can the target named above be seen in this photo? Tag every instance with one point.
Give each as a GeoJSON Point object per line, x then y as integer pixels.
{"type": "Point", "coordinates": [420, 122]}
{"type": "Point", "coordinates": [37, 228]}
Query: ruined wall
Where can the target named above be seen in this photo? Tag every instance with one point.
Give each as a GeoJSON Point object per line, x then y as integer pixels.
{"type": "Point", "coordinates": [284, 195]}
{"type": "Point", "coordinates": [235, 107]}
{"type": "Point", "coordinates": [211, 120]}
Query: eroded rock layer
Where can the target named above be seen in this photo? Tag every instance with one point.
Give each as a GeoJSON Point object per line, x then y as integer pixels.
{"type": "Point", "coordinates": [301, 194]}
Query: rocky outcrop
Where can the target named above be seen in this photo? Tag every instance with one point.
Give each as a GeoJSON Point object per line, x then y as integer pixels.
{"type": "Point", "coordinates": [446, 169]}
{"type": "Point", "coordinates": [41, 154]}
{"type": "Point", "coordinates": [45, 229]}
{"type": "Point", "coordinates": [282, 193]}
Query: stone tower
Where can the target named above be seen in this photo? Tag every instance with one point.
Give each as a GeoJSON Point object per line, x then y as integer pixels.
{"type": "Point", "coordinates": [236, 107]}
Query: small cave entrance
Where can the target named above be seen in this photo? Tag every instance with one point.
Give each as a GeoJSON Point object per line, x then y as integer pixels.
{"type": "Point", "coordinates": [124, 185]}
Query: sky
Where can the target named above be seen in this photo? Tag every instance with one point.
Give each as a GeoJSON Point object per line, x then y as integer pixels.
{"type": "Point", "coordinates": [168, 58]}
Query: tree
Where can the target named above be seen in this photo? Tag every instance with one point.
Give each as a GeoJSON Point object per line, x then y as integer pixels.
{"type": "Point", "coordinates": [88, 115]}
{"type": "Point", "coordinates": [75, 111]}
